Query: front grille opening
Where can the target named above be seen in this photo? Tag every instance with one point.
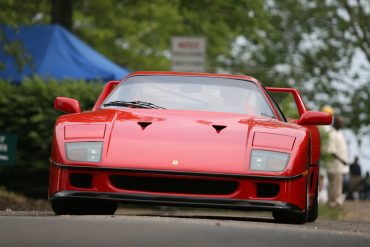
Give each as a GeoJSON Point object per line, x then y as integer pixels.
{"type": "Point", "coordinates": [79, 180]}
{"type": "Point", "coordinates": [267, 189]}
{"type": "Point", "coordinates": [174, 185]}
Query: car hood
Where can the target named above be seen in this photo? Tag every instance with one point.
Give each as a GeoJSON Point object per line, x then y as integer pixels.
{"type": "Point", "coordinates": [192, 141]}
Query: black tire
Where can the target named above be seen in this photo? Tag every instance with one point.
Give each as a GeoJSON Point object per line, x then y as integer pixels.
{"type": "Point", "coordinates": [313, 213]}
{"type": "Point", "coordinates": [290, 217]}
{"type": "Point", "coordinates": [283, 216]}
{"type": "Point", "coordinates": [83, 207]}
{"type": "Point", "coordinates": [310, 215]}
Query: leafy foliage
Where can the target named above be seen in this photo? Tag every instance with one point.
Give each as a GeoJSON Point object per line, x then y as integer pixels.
{"type": "Point", "coordinates": [312, 45]}
{"type": "Point", "coordinates": [328, 53]}
{"type": "Point", "coordinates": [307, 44]}
{"type": "Point", "coordinates": [141, 30]}
{"type": "Point", "coordinates": [9, 15]}
{"type": "Point", "coordinates": [27, 111]}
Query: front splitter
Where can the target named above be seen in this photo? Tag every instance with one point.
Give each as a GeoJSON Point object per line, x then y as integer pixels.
{"type": "Point", "coordinates": [183, 201]}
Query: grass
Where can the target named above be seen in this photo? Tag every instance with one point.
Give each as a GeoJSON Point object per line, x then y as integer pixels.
{"type": "Point", "coordinates": [329, 213]}
{"type": "Point", "coordinates": [16, 202]}
{"type": "Point", "coordinates": [11, 195]}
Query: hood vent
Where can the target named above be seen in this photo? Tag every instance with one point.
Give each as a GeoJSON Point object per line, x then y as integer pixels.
{"type": "Point", "coordinates": [144, 124]}
{"type": "Point", "coordinates": [218, 128]}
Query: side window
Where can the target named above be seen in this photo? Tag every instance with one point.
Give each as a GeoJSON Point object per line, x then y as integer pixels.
{"type": "Point", "coordinates": [275, 105]}
{"type": "Point", "coordinates": [287, 104]}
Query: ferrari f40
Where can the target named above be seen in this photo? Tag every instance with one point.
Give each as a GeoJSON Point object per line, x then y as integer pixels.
{"type": "Point", "coordinates": [186, 139]}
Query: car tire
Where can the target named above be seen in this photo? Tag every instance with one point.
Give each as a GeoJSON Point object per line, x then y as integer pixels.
{"type": "Point", "coordinates": [289, 217]}
{"type": "Point", "coordinates": [283, 216]}
{"type": "Point", "coordinates": [83, 207]}
{"type": "Point", "coordinates": [313, 213]}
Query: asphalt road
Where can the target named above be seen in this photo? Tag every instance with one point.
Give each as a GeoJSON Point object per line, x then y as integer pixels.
{"type": "Point", "coordinates": [174, 230]}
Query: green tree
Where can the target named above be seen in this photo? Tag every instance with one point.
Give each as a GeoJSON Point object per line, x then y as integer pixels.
{"type": "Point", "coordinates": [13, 13]}
{"type": "Point", "coordinates": [306, 44]}
{"type": "Point", "coordinates": [139, 32]}
{"type": "Point", "coordinates": [323, 40]}
{"type": "Point", "coordinates": [26, 110]}
{"type": "Point", "coordinates": [61, 12]}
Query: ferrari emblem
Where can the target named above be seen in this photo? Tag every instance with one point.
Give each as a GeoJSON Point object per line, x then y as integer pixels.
{"type": "Point", "coordinates": [175, 162]}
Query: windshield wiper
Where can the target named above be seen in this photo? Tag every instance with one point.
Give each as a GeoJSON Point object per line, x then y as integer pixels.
{"type": "Point", "coordinates": [133, 104]}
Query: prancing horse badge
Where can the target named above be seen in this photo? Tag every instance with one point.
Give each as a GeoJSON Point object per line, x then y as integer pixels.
{"type": "Point", "coordinates": [175, 162]}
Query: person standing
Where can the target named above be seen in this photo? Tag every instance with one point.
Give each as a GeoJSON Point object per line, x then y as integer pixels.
{"type": "Point", "coordinates": [366, 186]}
{"type": "Point", "coordinates": [355, 179]}
{"type": "Point", "coordinates": [338, 166]}
{"type": "Point", "coordinates": [325, 157]}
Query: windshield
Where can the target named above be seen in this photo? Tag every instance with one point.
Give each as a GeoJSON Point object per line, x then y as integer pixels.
{"type": "Point", "coordinates": [191, 93]}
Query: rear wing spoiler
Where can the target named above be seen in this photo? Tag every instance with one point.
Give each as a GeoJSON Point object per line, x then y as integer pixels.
{"type": "Point", "coordinates": [108, 88]}
{"type": "Point", "coordinates": [297, 97]}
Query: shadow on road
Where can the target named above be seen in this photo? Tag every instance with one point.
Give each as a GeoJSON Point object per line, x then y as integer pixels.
{"type": "Point", "coordinates": [214, 217]}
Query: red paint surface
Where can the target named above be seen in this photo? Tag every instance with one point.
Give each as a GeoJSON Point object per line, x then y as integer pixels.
{"type": "Point", "coordinates": [190, 138]}
{"type": "Point", "coordinates": [81, 131]}
{"type": "Point", "coordinates": [268, 140]}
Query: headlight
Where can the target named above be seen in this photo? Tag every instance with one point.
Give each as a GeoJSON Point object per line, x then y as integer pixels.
{"type": "Point", "coordinates": [84, 151]}
{"type": "Point", "coordinates": [270, 161]}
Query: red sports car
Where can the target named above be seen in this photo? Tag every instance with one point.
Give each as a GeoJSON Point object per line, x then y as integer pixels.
{"type": "Point", "coordinates": [186, 139]}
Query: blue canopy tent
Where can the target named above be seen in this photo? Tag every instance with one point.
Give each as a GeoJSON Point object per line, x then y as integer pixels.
{"type": "Point", "coordinates": [56, 53]}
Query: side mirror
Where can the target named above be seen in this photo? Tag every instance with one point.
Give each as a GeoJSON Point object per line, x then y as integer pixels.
{"type": "Point", "coordinates": [67, 105]}
{"type": "Point", "coordinates": [315, 118]}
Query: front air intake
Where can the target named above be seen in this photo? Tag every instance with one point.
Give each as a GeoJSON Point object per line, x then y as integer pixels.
{"type": "Point", "coordinates": [174, 185]}
{"type": "Point", "coordinates": [218, 128]}
{"type": "Point", "coordinates": [265, 190]}
{"type": "Point", "coordinates": [80, 180]}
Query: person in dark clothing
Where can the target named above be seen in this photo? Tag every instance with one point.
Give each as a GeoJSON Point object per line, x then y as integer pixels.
{"type": "Point", "coordinates": [355, 179]}
{"type": "Point", "coordinates": [366, 187]}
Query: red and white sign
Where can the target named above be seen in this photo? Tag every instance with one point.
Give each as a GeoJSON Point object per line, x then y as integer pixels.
{"type": "Point", "coordinates": [188, 54]}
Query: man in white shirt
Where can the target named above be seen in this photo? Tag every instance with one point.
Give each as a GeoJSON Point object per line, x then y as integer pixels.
{"type": "Point", "coordinates": [338, 166]}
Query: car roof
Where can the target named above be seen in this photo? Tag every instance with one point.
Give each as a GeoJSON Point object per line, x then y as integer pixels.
{"type": "Point", "coordinates": [229, 76]}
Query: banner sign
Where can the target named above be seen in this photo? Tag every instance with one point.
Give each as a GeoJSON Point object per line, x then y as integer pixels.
{"type": "Point", "coordinates": [8, 145]}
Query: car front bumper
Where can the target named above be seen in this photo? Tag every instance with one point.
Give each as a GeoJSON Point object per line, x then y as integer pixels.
{"type": "Point", "coordinates": [263, 205]}
{"type": "Point", "coordinates": [291, 195]}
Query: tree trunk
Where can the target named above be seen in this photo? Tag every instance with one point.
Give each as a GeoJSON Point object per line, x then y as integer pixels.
{"type": "Point", "coordinates": [61, 13]}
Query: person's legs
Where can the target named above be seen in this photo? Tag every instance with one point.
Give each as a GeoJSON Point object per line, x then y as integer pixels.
{"type": "Point", "coordinates": [331, 190]}
{"type": "Point", "coordinates": [356, 185]}
{"type": "Point", "coordinates": [335, 189]}
{"type": "Point", "coordinates": [339, 189]}
{"type": "Point", "coordinates": [351, 189]}
{"type": "Point", "coordinates": [323, 192]}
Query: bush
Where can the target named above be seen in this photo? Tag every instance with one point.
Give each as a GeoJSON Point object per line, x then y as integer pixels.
{"type": "Point", "coordinates": [27, 110]}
